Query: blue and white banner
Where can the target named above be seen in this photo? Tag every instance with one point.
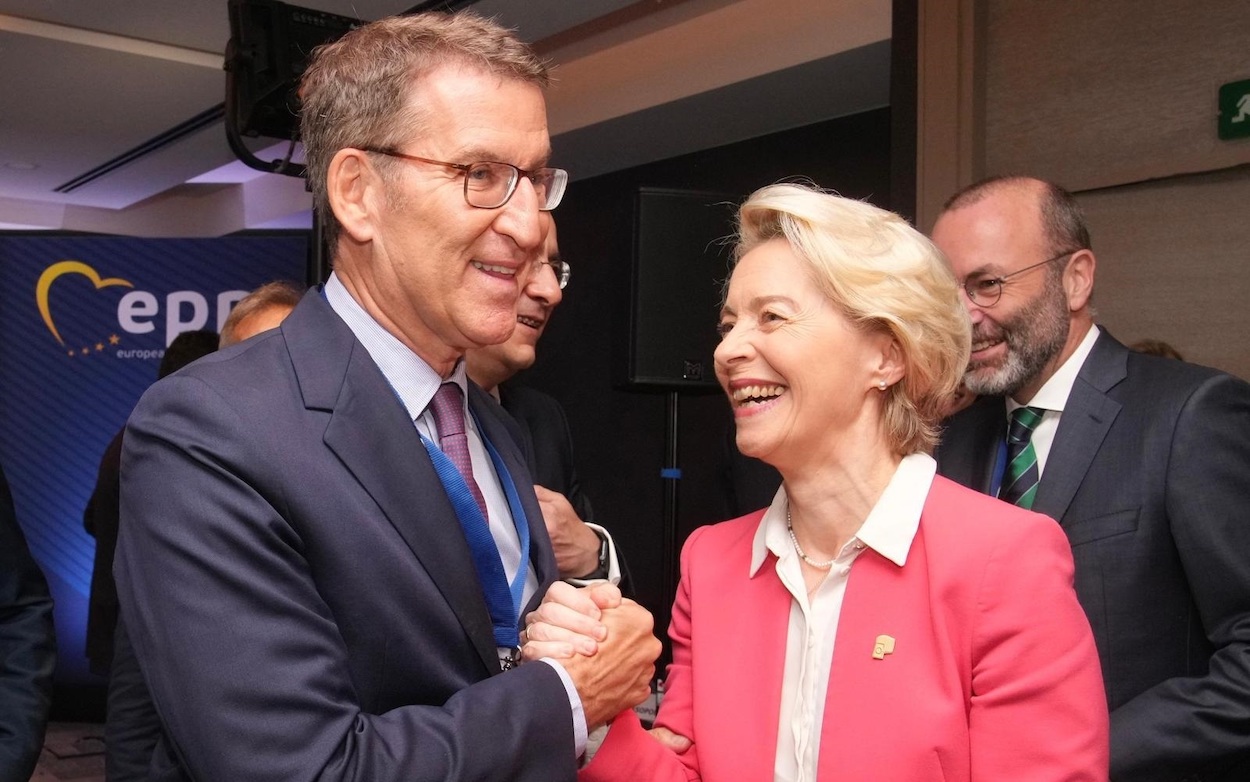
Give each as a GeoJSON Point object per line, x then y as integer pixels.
{"type": "Point", "coordinates": [84, 322]}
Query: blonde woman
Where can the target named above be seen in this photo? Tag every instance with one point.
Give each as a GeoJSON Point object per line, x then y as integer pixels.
{"type": "Point", "coordinates": [875, 622]}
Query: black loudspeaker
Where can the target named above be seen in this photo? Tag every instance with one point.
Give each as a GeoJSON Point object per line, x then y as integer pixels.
{"type": "Point", "coordinates": [681, 256]}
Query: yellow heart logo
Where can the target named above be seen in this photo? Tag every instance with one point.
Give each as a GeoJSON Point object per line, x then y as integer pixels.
{"type": "Point", "coordinates": [50, 276]}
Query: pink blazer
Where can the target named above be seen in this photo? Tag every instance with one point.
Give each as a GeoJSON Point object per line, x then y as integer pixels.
{"type": "Point", "coordinates": [993, 678]}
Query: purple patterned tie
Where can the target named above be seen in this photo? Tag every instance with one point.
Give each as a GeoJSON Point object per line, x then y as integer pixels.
{"type": "Point", "coordinates": [448, 409]}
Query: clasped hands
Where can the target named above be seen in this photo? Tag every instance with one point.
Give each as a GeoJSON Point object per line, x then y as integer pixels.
{"type": "Point", "coordinates": [603, 640]}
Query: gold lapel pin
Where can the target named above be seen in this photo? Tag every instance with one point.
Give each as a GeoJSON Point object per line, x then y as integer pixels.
{"type": "Point", "coordinates": [883, 646]}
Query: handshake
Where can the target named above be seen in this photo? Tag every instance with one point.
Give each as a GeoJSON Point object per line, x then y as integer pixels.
{"type": "Point", "coordinates": [603, 640]}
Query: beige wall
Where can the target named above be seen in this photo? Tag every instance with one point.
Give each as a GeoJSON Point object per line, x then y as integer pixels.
{"type": "Point", "coordinates": [1117, 101]}
{"type": "Point", "coordinates": [1174, 264]}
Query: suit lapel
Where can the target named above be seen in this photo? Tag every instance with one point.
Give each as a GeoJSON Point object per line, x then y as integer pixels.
{"type": "Point", "coordinates": [495, 427]}
{"type": "Point", "coordinates": [876, 592]}
{"type": "Point", "coordinates": [336, 374]}
{"type": "Point", "coordinates": [890, 689]}
{"type": "Point", "coordinates": [1087, 417]}
{"type": "Point", "coordinates": [754, 661]}
{"type": "Point", "coordinates": [968, 452]}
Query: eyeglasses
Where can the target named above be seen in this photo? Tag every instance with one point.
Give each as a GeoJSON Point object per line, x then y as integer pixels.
{"type": "Point", "coordinates": [489, 185]}
{"type": "Point", "coordinates": [986, 291]}
{"type": "Point", "coordinates": [561, 270]}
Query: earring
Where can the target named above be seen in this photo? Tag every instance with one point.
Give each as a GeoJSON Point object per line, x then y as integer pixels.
{"type": "Point", "coordinates": [882, 385]}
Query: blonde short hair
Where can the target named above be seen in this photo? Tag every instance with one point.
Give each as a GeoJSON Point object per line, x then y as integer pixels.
{"type": "Point", "coordinates": [883, 275]}
{"type": "Point", "coordinates": [355, 90]}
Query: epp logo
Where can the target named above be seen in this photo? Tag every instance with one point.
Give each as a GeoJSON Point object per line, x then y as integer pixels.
{"type": "Point", "coordinates": [136, 310]}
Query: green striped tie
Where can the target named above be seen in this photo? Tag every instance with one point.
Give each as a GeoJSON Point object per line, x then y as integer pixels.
{"type": "Point", "coordinates": [1020, 480]}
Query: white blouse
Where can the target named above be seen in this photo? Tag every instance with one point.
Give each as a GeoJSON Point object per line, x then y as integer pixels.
{"type": "Point", "coordinates": [888, 530]}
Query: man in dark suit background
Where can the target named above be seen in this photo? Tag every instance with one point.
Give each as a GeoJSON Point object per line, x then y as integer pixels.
{"type": "Point", "coordinates": [27, 649]}
{"type": "Point", "coordinates": [584, 550]}
{"type": "Point", "coordinates": [331, 535]}
{"type": "Point", "coordinates": [1144, 461]}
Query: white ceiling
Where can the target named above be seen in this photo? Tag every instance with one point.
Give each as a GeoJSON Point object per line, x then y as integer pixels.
{"type": "Point", "coordinates": [87, 81]}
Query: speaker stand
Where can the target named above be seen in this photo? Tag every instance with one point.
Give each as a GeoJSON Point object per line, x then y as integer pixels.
{"type": "Point", "coordinates": [671, 473]}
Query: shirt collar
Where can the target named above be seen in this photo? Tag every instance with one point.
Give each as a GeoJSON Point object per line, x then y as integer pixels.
{"type": "Point", "coordinates": [889, 529]}
{"type": "Point", "coordinates": [412, 380]}
{"type": "Point", "coordinates": [1053, 394]}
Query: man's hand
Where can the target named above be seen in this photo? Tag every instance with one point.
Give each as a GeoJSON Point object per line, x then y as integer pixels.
{"type": "Point", "coordinates": [568, 621]}
{"type": "Point", "coordinates": [618, 676]}
{"type": "Point", "coordinates": [604, 641]}
{"type": "Point", "coordinates": [576, 545]}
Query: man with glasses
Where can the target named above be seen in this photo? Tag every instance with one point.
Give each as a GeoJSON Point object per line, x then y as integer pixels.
{"type": "Point", "coordinates": [1145, 463]}
{"type": "Point", "coordinates": [330, 536]}
{"type": "Point", "coordinates": [584, 551]}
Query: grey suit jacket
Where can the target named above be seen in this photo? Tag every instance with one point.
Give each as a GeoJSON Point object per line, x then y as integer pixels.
{"type": "Point", "coordinates": [1149, 476]}
{"type": "Point", "coordinates": [297, 589]}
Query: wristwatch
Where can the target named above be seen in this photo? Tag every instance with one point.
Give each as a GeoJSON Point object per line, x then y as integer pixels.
{"type": "Point", "coordinates": [604, 567]}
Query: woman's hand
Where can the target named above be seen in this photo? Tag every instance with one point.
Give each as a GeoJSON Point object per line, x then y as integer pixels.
{"type": "Point", "coordinates": [673, 741]}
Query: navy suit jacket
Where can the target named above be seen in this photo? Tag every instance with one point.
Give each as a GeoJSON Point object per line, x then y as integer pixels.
{"type": "Point", "coordinates": [297, 589]}
{"type": "Point", "coordinates": [1149, 476]}
{"type": "Point", "coordinates": [547, 428]}
{"type": "Point", "coordinates": [545, 425]}
{"type": "Point", "coordinates": [27, 649]}
{"type": "Point", "coordinates": [100, 520]}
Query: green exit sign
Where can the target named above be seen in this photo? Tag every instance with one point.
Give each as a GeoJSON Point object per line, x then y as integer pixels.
{"type": "Point", "coordinates": [1235, 110]}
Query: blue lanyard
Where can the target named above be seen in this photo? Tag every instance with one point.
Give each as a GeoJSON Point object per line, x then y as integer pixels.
{"type": "Point", "coordinates": [503, 599]}
{"type": "Point", "coordinates": [1000, 469]}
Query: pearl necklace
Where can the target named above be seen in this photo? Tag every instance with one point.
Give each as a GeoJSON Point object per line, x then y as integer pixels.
{"type": "Point", "coordinates": [799, 549]}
